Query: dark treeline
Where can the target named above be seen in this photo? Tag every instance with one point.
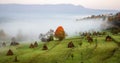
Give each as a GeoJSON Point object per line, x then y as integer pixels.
{"type": "Point", "coordinates": [114, 19]}
{"type": "Point", "coordinates": [6, 37]}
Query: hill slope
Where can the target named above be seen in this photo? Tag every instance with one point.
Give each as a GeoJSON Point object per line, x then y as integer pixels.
{"type": "Point", "coordinates": [104, 52]}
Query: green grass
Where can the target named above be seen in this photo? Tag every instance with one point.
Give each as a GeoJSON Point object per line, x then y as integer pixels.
{"type": "Point", "coordinates": [59, 53]}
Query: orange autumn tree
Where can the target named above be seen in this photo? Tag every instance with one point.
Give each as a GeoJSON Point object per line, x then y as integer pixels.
{"type": "Point", "coordinates": [60, 33]}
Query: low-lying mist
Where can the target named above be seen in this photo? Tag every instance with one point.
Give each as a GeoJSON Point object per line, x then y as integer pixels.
{"type": "Point", "coordinates": [29, 28]}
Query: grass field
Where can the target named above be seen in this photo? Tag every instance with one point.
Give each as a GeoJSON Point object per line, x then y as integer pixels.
{"type": "Point", "coordinates": [103, 52]}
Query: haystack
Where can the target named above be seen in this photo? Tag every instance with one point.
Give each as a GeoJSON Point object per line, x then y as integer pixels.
{"type": "Point", "coordinates": [10, 53]}
{"type": "Point", "coordinates": [90, 39]}
{"type": "Point", "coordinates": [14, 43]}
{"type": "Point", "coordinates": [45, 47]}
{"type": "Point", "coordinates": [35, 44]}
{"type": "Point", "coordinates": [70, 45]}
{"type": "Point", "coordinates": [3, 44]}
{"type": "Point", "coordinates": [31, 46]}
{"type": "Point", "coordinates": [108, 38]}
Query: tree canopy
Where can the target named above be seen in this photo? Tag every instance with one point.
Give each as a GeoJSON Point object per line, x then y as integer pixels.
{"type": "Point", "coordinates": [60, 33]}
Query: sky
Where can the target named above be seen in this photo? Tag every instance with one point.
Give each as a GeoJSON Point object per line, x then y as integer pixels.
{"type": "Point", "coordinates": [94, 4]}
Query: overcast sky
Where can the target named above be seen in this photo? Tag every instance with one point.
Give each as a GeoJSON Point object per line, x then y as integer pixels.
{"type": "Point", "coordinates": [95, 4]}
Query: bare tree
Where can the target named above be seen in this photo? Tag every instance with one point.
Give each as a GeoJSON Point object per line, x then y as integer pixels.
{"type": "Point", "coordinates": [49, 36]}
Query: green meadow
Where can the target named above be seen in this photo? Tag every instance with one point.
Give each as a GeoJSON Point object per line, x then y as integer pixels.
{"type": "Point", "coordinates": [99, 51]}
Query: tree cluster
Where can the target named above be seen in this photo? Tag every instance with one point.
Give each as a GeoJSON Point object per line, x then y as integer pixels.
{"type": "Point", "coordinates": [49, 36]}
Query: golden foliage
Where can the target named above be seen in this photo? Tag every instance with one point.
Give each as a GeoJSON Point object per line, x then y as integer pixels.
{"type": "Point", "coordinates": [60, 33]}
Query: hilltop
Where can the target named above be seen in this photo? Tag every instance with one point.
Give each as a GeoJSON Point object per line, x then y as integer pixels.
{"type": "Point", "coordinates": [52, 9]}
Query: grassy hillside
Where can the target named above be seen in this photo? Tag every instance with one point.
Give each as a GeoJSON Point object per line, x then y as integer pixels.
{"type": "Point", "coordinates": [102, 52]}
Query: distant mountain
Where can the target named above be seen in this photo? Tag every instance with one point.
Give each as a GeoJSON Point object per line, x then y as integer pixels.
{"type": "Point", "coordinates": [50, 9]}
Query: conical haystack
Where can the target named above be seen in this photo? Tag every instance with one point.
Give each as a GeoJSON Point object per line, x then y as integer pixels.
{"type": "Point", "coordinates": [108, 38]}
{"type": "Point", "coordinates": [35, 44]}
{"type": "Point", "coordinates": [31, 46]}
{"type": "Point", "coordinates": [3, 44]}
{"type": "Point", "coordinates": [90, 39]}
{"type": "Point", "coordinates": [10, 53]}
{"type": "Point", "coordinates": [45, 47]}
{"type": "Point", "coordinates": [70, 45]}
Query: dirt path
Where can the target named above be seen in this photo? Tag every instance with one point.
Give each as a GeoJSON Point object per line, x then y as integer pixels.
{"type": "Point", "coordinates": [111, 54]}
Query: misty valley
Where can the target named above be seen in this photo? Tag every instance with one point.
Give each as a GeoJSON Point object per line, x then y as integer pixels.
{"type": "Point", "coordinates": [62, 33]}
